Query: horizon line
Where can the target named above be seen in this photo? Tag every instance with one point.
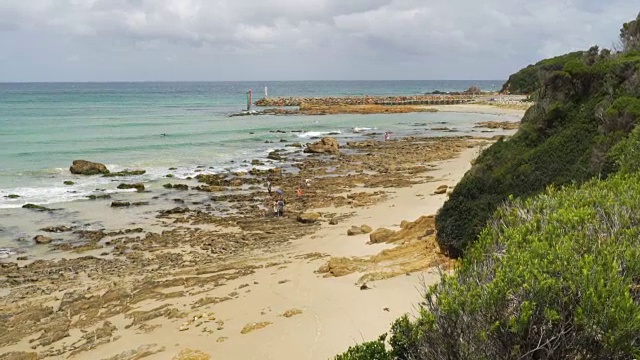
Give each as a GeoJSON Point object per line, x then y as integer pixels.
{"type": "Point", "coordinates": [212, 81]}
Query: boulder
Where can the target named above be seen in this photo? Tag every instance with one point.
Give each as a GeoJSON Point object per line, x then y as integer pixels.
{"type": "Point", "coordinates": [96, 197]}
{"type": "Point", "coordinates": [357, 230]}
{"type": "Point", "coordinates": [209, 188]}
{"type": "Point", "coordinates": [326, 145]}
{"type": "Point", "coordinates": [120, 204]}
{"type": "Point", "coordinates": [57, 229]}
{"type": "Point", "coordinates": [176, 210]}
{"type": "Point", "coordinates": [380, 235]}
{"type": "Point", "coordinates": [36, 207]}
{"type": "Point", "coordinates": [308, 218]}
{"type": "Point", "coordinates": [137, 186]}
{"type": "Point", "coordinates": [354, 230]}
{"type": "Point", "coordinates": [366, 229]}
{"type": "Point", "coordinates": [441, 189]}
{"type": "Point", "coordinates": [84, 167]}
{"type": "Point", "coordinates": [274, 155]}
{"type": "Point", "coordinates": [174, 186]}
{"type": "Point", "coordinates": [41, 239]}
{"type": "Point", "coordinates": [126, 172]}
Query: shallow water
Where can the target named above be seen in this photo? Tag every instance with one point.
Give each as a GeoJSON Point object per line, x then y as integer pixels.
{"type": "Point", "coordinates": [44, 127]}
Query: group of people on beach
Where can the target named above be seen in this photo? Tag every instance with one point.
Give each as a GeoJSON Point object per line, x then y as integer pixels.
{"type": "Point", "coordinates": [278, 202]}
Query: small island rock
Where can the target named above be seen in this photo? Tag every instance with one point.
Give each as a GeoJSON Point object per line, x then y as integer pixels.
{"type": "Point", "coordinates": [84, 167]}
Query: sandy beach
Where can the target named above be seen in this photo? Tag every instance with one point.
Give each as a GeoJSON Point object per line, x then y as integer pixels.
{"type": "Point", "coordinates": [250, 286]}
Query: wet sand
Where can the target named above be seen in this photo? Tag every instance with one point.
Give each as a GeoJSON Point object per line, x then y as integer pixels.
{"type": "Point", "coordinates": [246, 285]}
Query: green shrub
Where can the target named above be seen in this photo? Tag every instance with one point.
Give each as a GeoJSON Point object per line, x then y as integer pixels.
{"type": "Point", "coordinates": [554, 276]}
{"type": "Point", "coordinates": [581, 112]}
{"type": "Point", "coordinates": [371, 350]}
{"type": "Point", "coordinates": [529, 79]}
{"type": "Point", "coordinates": [630, 35]}
{"type": "Point", "coordinates": [626, 154]}
{"type": "Point", "coordinates": [552, 149]}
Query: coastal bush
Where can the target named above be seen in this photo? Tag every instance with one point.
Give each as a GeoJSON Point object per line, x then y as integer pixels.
{"type": "Point", "coordinates": [554, 276]}
{"type": "Point", "coordinates": [550, 149]}
{"type": "Point", "coordinates": [370, 350]}
{"type": "Point", "coordinates": [585, 105]}
{"type": "Point", "coordinates": [530, 79]}
{"type": "Point", "coordinates": [626, 153]}
{"type": "Point", "coordinates": [630, 35]}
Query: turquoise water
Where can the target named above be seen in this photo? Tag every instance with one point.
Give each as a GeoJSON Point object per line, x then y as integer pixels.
{"type": "Point", "coordinates": [44, 127]}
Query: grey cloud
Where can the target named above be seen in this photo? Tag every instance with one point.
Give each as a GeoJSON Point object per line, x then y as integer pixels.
{"type": "Point", "coordinates": [329, 36]}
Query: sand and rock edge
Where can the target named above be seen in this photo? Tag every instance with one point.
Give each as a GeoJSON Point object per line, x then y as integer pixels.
{"type": "Point", "coordinates": [149, 285]}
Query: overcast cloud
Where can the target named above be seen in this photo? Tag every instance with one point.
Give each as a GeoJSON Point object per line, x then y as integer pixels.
{"type": "Point", "coordinates": [120, 40]}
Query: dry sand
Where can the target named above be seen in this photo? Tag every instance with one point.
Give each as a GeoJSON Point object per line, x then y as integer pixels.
{"type": "Point", "coordinates": [285, 309]}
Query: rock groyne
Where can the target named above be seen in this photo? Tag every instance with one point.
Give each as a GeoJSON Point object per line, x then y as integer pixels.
{"type": "Point", "coordinates": [366, 100]}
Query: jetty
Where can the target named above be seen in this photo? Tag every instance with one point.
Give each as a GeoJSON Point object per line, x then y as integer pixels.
{"type": "Point", "coordinates": [367, 100]}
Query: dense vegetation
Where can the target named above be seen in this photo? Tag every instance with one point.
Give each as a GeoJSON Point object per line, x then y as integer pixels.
{"type": "Point", "coordinates": [529, 79]}
{"type": "Point", "coordinates": [585, 105]}
{"type": "Point", "coordinates": [556, 276]}
{"type": "Point", "coordinates": [555, 271]}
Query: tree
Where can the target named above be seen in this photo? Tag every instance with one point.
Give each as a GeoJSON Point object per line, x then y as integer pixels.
{"type": "Point", "coordinates": [630, 35]}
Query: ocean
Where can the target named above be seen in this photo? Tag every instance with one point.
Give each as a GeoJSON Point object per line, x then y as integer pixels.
{"type": "Point", "coordinates": [181, 129]}
{"type": "Point", "coordinates": [45, 126]}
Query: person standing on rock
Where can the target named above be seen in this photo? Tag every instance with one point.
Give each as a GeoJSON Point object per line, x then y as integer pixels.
{"type": "Point", "coordinates": [275, 208]}
{"type": "Point", "coordinates": [281, 208]}
{"type": "Point", "coordinates": [269, 186]}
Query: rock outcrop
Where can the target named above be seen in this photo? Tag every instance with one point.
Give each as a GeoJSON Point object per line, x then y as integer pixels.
{"type": "Point", "coordinates": [380, 235]}
{"type": "Point", "coordinates": [423, 226]}
{"type": "Point", "coordinates": [137, 186]}
{"type": "Point", "coordinates": [84, 167]}
{"type": "Point", "coordinates": [441, 189]}
{"type": "Point", "coordinates": [308, 218]}
{"type": "Point", "coordinates": [41, 239]}
{"type": "Point", "coordinates": [357, 230]}
{"type": "Point", "coordinates": [120, 204]}
{"type": "Point", "coordinates": [326, 145]}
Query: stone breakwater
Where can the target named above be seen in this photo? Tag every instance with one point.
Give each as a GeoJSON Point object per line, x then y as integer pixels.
{"type": "Point", "coordinates": [366, 100]}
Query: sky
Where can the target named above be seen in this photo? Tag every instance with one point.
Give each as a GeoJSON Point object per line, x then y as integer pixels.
{"type": "Point", "coordinates": [227, 40]}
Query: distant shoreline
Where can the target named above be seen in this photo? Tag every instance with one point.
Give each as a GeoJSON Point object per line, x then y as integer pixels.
{"type": "Point", "coordinates": [232, 81]}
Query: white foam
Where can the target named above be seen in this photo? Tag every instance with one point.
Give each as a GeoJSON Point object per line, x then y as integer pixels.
{"type": "Point", "coordinates": [51, 190]}
{"type": "Point", "coordinates": [7, 252]}
{"type": "Point", "coordinates": [361, 129]}
{"type": "Point", "coordinates": [310, 134]}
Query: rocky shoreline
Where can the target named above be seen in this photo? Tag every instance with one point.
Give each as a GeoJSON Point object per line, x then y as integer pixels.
{"type": "Point", "coordinates": [100, 294]}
